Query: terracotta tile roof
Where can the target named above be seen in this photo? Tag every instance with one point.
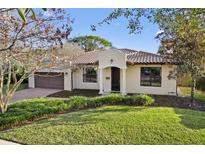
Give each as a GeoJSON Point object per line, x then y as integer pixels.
{"type": "Point", "coordinates": [133, 57]}
{"type": "Point", "coordinates": [141, 57]}
{"type": "Point", "coordinates": [128, 51]}
{"type": "Point", "coordinates": [87, 58]}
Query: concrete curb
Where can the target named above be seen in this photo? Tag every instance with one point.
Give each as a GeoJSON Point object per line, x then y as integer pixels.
{"type": "Point", "coordinates": [3, 142]}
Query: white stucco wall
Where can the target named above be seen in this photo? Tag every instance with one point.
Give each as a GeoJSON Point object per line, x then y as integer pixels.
{"type": "Point", "coordinates": [118, 59]}
{"type": "Point", "coordinates": [107, 80]}
{"type": "Point", "coordinates": [78, 81]}
{"type": "Point", "coordinates": [67, 80]}
{"type": "Point", "coordinates": [111, 58]}
{"type": "Point", "coordinates": [168, 86]}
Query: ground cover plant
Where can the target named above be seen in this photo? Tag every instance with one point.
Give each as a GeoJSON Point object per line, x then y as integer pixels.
{"type": "Point", "coordinates": [115, 125]}
{"type": "Point", "coordinates": [31, 109]}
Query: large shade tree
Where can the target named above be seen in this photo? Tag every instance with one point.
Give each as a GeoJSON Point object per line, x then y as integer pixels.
{"type": "Point", "coordinates": [91, 43]}
{"type": "Point", "coordinates": [182, 35]}
{"type": "Point", "coordinates": [29, 44]}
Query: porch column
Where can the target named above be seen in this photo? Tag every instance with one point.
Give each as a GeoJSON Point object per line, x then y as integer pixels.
{"type": "Point", "coordinates": [124, 92]}
{"type": "Point", "coordinates": [101, 80]}
{"type": "Point", "coordinates": [31, 81]}
{"type": "Point", "coordinates": [67, 80]}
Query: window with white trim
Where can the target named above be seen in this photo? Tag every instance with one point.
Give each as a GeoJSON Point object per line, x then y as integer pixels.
{"type": "Point", "coordinates": [151, 76]}
{"type": "Point", "coordinates": [90, 74]}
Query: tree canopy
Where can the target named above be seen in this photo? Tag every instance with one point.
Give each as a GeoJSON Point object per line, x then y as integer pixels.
{"type": "Point", "coordinates": [30, 45]}
{"type": "Point", "coordinates": [91, 43]}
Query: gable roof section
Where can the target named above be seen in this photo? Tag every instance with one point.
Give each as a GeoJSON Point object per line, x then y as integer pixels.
{"type": "Point", "coordinates": [147, 58]}
{"type": "Point", "coordinates": [87, 58]}
{"type": "Point", "coordinates": [133, 57]}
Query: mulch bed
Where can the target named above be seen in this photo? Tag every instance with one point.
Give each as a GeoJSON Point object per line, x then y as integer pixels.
{"type": "Point", "coordinates": [160, 100]}
{"type": "Point", "coordinates": [77, 92]}
{"type": "Point", "coordinates": [180, 102]}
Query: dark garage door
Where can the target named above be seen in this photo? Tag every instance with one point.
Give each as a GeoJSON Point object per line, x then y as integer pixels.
{"type": "Point", "coordinates": [49, 80]}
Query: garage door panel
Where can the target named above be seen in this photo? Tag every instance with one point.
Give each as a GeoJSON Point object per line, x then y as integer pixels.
{"type": "Point", "coordinates": [49, 80]}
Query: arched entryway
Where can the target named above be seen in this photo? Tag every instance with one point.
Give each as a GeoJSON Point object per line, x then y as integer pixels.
{"type": "Point", "coordinates": [112, 79]}
{"type": "Point", "coordinates": [115, 79]}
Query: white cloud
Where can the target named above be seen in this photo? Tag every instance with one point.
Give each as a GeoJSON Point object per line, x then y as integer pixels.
{"type": "Point", "coordinates": [160, 32]}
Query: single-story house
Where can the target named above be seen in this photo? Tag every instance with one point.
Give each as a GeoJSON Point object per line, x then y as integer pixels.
{"type": "Point", "coordinates": [113, 70]}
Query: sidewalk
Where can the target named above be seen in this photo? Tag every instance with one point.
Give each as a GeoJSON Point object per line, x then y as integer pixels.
{"type": "Point", "coordinates": [3, 142]}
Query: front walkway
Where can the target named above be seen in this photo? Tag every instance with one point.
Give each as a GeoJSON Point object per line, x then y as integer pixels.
{"type": "Point", "coordinates": [3, 142]}
{"type": "Point", "coordinates": [32, 93]}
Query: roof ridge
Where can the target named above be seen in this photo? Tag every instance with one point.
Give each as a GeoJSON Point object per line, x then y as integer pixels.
{"type": "Point", "coordinates": [146, 52]}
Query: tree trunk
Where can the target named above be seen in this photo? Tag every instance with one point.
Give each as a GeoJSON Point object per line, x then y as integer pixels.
{"type": "Point", "coordinates": [3, 108]}
{"type": "Point", "coordinates": [193, 85]}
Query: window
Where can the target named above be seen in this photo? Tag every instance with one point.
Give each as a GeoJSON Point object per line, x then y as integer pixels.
{"type": "Point", "coordinates": [90, 74]}
{"type": "Point", "coordinates": [151, 76]}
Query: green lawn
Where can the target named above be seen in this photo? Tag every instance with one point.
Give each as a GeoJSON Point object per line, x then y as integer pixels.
{"type": "Point", "coordinates": [115, 125]}
{"type": "Point", "coordinates": [199, 95]}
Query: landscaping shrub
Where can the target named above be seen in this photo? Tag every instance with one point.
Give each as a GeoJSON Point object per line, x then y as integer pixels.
{"type": "Point", "coordinates": [34, 108]}
{"type": "Point", "coordinates": [116, 99]}
{"type": "Point", "coordinates": [112, 99]}
{"type": "Point", "coordinates": [31, 109]}
{"type": "Point", "coordinates": [139, 100]}
{"type": "Point", "coordinates": [78, 102]}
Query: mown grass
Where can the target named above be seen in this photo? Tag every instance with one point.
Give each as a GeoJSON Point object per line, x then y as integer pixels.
{"type": "Point", "coordinates": [199, 95]}
{"type": "Point", "coordinates": [116, 125]}
{"type": "Point", "coordinates": [31, 109]}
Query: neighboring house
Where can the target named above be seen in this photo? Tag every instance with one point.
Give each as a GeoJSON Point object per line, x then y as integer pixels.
{"type": "Point", "coordinates": [113, 70]}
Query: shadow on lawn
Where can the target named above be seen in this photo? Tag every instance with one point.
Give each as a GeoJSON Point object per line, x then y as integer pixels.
{"type": "Point", "coordinates": [191, 119]}
{"type": "Point", "coordinates": [90, 116]}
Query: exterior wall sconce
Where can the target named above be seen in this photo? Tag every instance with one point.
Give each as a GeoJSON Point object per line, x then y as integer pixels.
{"type": "Point", "coordinates": [111, 61]}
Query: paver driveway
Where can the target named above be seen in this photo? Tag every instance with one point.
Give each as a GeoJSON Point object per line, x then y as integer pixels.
{"type": "Point", "coordinates": [32, 93]}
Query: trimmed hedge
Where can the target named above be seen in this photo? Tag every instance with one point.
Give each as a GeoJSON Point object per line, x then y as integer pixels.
{"type": "Point", "coordinates": [116, 99]}
{"type": "Point", "coordinates": [32, 109]}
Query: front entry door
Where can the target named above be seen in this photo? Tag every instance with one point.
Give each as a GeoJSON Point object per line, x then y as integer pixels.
{"type": "Point", "coordinates": [115, 82]}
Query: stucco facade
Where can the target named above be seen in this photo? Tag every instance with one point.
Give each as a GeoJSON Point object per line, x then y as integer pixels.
{"type": "Point", "coordinates": [78, 81]}
{"type": "Point", "coordinates": [168, 86]}
{"type": "Point", "coordinates": [129, 76]}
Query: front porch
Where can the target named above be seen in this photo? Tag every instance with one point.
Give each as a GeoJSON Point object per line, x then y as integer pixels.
{"type": "Point", "coordinates": [112, 72]}
{"type": "Point", "coordinates": [112, 79]}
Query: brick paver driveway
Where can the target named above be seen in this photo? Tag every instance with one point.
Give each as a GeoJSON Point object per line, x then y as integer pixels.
{"type": "Point", "coordinates": [32, 93]}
